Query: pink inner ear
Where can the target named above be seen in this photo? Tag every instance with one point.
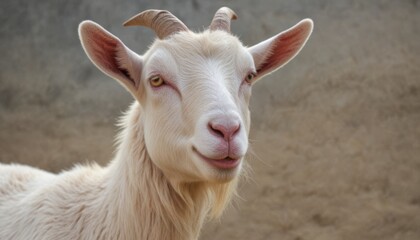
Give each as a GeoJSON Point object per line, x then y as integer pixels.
{"type": "Point", "coordinates": [104, 51]}
{"type": "Point", "coordinates": [283, 49]}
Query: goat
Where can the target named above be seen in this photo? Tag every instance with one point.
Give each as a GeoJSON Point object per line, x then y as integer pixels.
{"type": "Point", "coordinates": [182, 144]}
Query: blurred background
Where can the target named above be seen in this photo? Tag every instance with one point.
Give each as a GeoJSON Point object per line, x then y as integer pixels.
{"type": "Point", "coordinates": [336, 132]}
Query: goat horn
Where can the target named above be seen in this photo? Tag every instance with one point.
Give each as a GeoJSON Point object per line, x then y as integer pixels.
{"type": "Point", "coordinates": [221, 20]}
{"type": "Point", "coordinates": [162, 22]}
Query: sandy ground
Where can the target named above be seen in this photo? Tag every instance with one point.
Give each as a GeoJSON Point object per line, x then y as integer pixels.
{"type": "Point", "coordinates": [336, 133]}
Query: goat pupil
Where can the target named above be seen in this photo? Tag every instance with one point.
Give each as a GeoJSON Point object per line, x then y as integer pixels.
{"type": "Point", "coordinates": [250, 77]}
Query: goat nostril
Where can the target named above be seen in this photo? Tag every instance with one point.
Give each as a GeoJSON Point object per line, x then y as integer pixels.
{"type": "Point", "coordinates": [215, 131]}
{"type": "Point", "coordinates": [226, 131]}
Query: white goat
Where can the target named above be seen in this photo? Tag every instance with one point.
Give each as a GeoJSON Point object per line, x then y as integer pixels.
{"type": "Point", "coordinates": [183, 140]}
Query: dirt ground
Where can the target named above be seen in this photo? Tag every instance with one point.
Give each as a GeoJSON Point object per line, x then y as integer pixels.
{"type": "Point", "coordinates": [336, 133]}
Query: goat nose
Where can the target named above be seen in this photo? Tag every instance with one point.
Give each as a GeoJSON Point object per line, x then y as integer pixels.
{"type": "Point", "coordinates": [225, 128]}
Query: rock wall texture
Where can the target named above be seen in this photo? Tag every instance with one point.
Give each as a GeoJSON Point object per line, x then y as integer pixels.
{"type": "Point", "coordinates": [336, 132]}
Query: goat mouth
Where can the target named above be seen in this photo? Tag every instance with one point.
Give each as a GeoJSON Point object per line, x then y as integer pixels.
{"type": "Point", "coordinates": [224, 163]}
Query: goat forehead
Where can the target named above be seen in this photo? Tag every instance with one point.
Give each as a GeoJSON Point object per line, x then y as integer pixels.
{"type": "Point", "coordinates": [217, 44]}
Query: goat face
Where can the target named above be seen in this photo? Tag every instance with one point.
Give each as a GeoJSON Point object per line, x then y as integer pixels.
{"type": "Point", "coordinates": [194, 89]}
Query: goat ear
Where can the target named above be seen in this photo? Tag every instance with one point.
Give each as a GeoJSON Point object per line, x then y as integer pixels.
{"type": "Point", "coordinates": [110, 55]}
{"type": "Point", "coordinates": [275, 52]}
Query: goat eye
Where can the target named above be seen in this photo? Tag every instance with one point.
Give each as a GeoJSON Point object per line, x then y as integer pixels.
{"type": "Point", "coordinates": [156, 81]}
{"type": "Point", "coordinates": [250, 77]}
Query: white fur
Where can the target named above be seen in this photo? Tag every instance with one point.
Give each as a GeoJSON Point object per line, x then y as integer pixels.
{"type": "Point", "coordinates": [158, 186]}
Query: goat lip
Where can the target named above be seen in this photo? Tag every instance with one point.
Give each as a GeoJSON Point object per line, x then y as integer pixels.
{"type": "Point", "coordinates": [224, 163]}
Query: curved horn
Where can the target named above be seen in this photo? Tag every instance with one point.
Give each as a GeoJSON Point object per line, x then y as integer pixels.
{"type": "Point", "coordinates": [221, 20]}
{"type": "Point", "coordinates": [162, 22]}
